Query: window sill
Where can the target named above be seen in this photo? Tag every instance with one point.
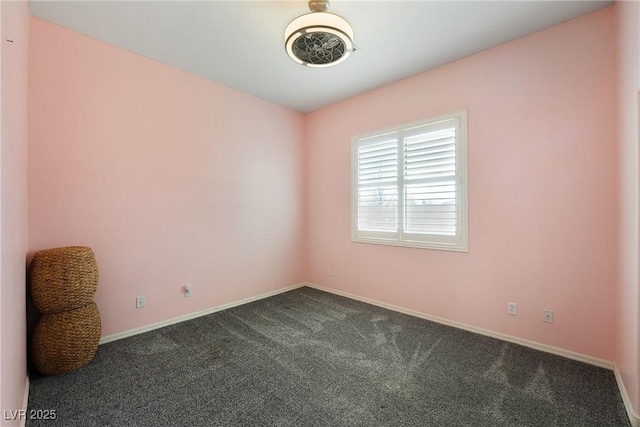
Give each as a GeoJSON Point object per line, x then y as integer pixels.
{"type": "Point", "coordinates": [410, 244]}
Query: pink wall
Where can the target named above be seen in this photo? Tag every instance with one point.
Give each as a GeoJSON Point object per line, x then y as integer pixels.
{"type": "Point", "coordinates": [628, 351]}
{"type": "Point", "coordinates": [159, 172]}
{"type": "Point", "coordinates": [542, 199]}
{"type": "Point", "coordinates": [167, 176]}
{"type": "Point", "coordinates": [13, 204]}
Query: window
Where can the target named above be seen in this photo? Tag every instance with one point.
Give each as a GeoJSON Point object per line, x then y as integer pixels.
{"type": "Point", "coordinates": [410, 185]}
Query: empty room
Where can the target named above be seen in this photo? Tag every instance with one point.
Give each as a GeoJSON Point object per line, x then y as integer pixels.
{"type": "Point", "coordinates": [303, 213]}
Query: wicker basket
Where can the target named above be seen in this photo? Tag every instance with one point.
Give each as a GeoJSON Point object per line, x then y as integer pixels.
{"type": "Point", "coordinates": [65, 341]}
{"type": "Point", "coordinates": [63, 279]}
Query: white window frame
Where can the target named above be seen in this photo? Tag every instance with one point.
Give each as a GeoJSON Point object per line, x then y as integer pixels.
{"type": "Point", "coordinates": [459, 242]}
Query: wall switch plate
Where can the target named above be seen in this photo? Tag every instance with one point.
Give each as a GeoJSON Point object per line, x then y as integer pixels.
{"type": "Point", "coordinates": [187, 290]}
{"type": "Point", "coordinates": [547, 315]}
{"type": "Point", "coordinates": [330, 271]}
{"type": "Point", "coordinates": [139, 302]}
{"type": "Point", "coordinates": [512, 308]}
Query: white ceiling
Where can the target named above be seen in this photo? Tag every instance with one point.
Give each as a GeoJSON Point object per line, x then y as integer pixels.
{"type": "Point", "coordinates": [241, 43]}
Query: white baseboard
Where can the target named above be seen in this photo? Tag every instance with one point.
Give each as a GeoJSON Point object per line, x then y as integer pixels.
{"type": "Point", "coordinates": [25, 401]}
{"type": "Point", "coordinates": [504, 337]}
{"type": "Point", "coordinates": [633, 418]}
{"type": "Point", "coordinates": [147, 328]}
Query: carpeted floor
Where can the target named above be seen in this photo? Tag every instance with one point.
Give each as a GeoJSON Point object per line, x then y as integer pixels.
{"type": "Point", "coordinates": [310, 358]}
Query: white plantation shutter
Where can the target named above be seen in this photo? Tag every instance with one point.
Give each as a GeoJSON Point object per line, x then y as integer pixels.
{"type": "Point", "coordinates": [410, 185]}
{"type": "Point", "coordinates": [377, 175]}
{"type": "Point", "coordinates": [430, 179]}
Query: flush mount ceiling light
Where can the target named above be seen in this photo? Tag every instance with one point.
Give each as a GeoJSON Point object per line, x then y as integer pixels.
{"type": "Point", "coordinates": [319, 38]}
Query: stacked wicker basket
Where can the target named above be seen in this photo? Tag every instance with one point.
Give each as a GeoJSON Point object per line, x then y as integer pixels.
{"type": "Point", "coordinates": [63, 282]}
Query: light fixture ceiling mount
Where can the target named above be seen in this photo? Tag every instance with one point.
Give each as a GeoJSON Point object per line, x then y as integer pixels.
{"type": "Point", "coordinates": [319, 38]}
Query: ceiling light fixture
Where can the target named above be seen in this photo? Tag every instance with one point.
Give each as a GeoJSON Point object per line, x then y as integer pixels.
{"type": "Point", "coordinates": [319, 38]}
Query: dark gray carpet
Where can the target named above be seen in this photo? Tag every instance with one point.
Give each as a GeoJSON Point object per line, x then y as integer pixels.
{"type": "Point", "coordinates": [309, 358]}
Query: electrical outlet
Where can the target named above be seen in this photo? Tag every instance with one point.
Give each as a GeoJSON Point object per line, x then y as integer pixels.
{"type": "Point", "coordinates": [512, 308]}
{"type": "Point", "coordinates": [187, 290]}
{"type": "Point", "coordinates": [330, 271]}
{"type": "Point", "coordinates": [139, 302]}
{"type": "Point", "coordinates": [547, 315]}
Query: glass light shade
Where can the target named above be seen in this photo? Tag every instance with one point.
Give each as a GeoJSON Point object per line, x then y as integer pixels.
{"type": "Point", "coordinates": [323, 35]}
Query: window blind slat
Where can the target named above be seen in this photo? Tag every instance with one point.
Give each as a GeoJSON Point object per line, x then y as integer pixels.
{"type": "Point", "coordinates": [378, 161]}
{"type": "Point", "coordinates": [373, 156]}
{"type": "Point", "coordinates": [430, 167]}
{"type": "Point", "coordinates": [444, 154]}
{"type": "Point", "coordinates": [372, 170]}
{"type": "Point", "coordinates": [430, 145]}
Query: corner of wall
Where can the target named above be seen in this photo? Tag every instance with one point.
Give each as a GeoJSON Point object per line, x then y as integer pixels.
{"type": "Point", "coordinates": [13, 205]}
{"type": "Point", "coordinates": [627, 26]}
